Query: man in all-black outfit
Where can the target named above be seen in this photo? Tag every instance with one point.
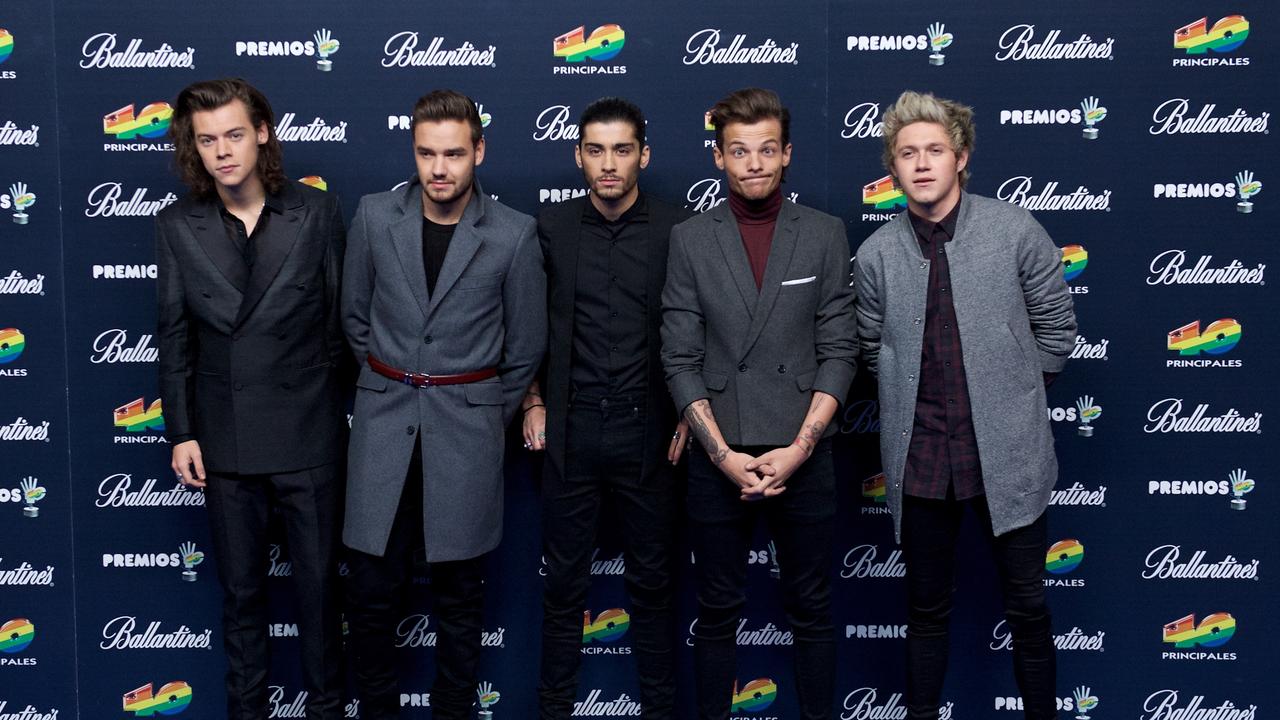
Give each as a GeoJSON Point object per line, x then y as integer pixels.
{"type": "Point", "coordinates": [604, 417]}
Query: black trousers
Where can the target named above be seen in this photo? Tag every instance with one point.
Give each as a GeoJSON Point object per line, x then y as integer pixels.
{"type": "Point", "coordinates": [603, 458]}
{"type": "Point", "coordinates": [311, 503]}
{"type": "Point", "coordinates": [800, 521]}
{"type": "Point", "coordinates": [930, 529]}
{"type": "Point", "coordinates": [376, 589]}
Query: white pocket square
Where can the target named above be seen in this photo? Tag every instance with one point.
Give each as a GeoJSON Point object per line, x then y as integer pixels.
{"type": "Point", "coordinates": [800, 281]}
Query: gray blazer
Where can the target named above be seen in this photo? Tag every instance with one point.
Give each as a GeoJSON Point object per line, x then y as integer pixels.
{"type": "Point", "coordinates": [488, 310]}
{"type": "Point", "coordinates": [1016, 322]}
{"type": "Point", "coordinates": [758, 354]}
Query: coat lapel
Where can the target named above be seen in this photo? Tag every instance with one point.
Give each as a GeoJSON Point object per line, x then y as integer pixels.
{"type": "Point", "coordinates": [735, 255]}
{"type": "Point", "coordinates": [273, 246]}
{"type": "Point", "coordinates": [206, 225]}
{"type": "Point", "coordinates": [463, 247]}
{"type": "Point", "coordinates": [781, 249]}
{"type": "Point", "coordinates": [406, 238]}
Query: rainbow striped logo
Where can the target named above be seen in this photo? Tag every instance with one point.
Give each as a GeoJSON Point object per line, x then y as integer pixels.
{"type": "Point", "coordinates": [606, 628]}
{"type": "Point", "coordinates": [152, 122]}
{"type": "Point", "coordinates": [1212, 631]}
{"type": "Point", "coordinates": [1064, 556]}
{"type": "Point", "coordinates": [1074, 260]}
{"type": "Point", "coordinates": [873, 488]}
{"type": "Point", "coordinates": [604, 43]}
{"type": "Point", "coordinates": [315, 181]}
{"type": "Point", "coordinates": [1219, 337]}
{"type": "Point", "coordinates": [171, 699]}
{"type": "Point", "coordinates": [134, 418]}
{"type": "Point", "coordinates": [12, 343]}
{"type": "Point", "coordinates": [1198, 38]}
{"type": "Point", "coordinates": [16, 635]}
{"type": "Point", "coordinates": [6, 44]}
{"type": "Point", "coordinates": [754, 696]}
{"type": "Point", "coordinates": [884, 194]}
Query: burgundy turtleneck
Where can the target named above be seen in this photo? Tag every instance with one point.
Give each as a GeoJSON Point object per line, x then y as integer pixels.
{"type": "Point", "coordinates": [756, 221]}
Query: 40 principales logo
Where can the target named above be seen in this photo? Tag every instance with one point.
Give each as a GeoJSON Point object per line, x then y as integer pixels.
{"type": "Point", "coordinates": [16, 635]}
{"type": "Point", "coordinates": [1202, 44]}
{"type": "Point", "coordinates": [171, 699]}
{"type": "Point", "coordinates": [6, 51]}
{"type": "Point", "coordinates": [1217, 338]}
{"type": "Point", "coordinates": [1185, 634]}
{"type": "Point", "coordinates": [602, 45]}
{"type": "Point", "coordinates": [606, 628]}
{"type": "Point", "coordinates": [148, 124]}
{"type": "Point", "coordinates": [753, 697]}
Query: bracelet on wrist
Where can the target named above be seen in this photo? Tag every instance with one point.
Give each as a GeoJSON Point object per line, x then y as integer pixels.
{"type": "Point", "coordinates": [527, 409]}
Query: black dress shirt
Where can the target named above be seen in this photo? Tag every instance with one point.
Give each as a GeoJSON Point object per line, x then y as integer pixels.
{"type": "Point", "coordinates": [242, 240]}
{"type": "Point", "coordinates": [944, 450]}
{"type": "Point", "coordinates": [610, 330]}
{"type": "Point", "coordinates": [435, 245]}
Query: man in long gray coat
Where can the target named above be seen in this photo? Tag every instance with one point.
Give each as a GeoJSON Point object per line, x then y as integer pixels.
{"type": "Point", "coordinates": [964, 316]}
{"type": "Point", "coordinates": [445, 310]}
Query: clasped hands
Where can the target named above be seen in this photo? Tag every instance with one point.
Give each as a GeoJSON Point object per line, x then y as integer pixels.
{"type": "Point", "coordinates": [762, 477]}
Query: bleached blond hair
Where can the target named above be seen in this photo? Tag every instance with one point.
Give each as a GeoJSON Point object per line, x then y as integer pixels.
{"type": "Point", "coordinates": [913, 107]}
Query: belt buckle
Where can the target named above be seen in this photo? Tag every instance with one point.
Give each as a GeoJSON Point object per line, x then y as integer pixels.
{"type": "Point", "coordinates": [418, 380]}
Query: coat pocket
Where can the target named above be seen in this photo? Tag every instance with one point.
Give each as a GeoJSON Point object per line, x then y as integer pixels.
{"type": "Point", "coordinates": [370, 380]}
{"type": "Point", "coordinates": [483, 393]}
{"type": "Point", "coordinates": [479, 282]}
{"type": "Point", "coordinates": [714, 380]}
{"type": "Point", "coordinates": [804, 380]}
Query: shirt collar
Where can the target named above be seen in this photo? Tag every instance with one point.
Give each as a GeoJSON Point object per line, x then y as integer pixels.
{"type": "Point", "coordinates": [924, 229]}
{"type": "Point", "coordinates": [271, 202]}
{"type": "Point", "coordinates": [638, 212]}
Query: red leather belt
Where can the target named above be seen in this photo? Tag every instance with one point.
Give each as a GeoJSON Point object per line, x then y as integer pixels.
{"type": "Point", "coordinates": [422, 380]}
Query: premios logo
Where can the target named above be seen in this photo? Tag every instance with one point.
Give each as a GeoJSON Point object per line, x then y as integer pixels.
{"type": "Point", "coordinates": [753, 697]}
{"type": "Point", "coordinates": [136, 417]}
{"type": "Point", "coordinates": [12, 343]}
{"type": "Point", "coordinates": [861, 563]}
{"type": "Point", "coordinates": [1198, 40]}
{"type": "Point", "coordinates": [16, 635]}
{"type": "Point", "coordinates": [704, 48]}
{"type": "Point", "coordinates": [1162, 563]}
{"type": "Point", "coordinates": [1018, 191]}
{"type": "Point", "coordinates": [607, 627]}
{"type": "Point", "coordinates": [11, 134]}
{"type": "Point", "coordinates": [1238, 484]}
{"type": "Point", "coordinates": [19, 199]}
{"type": "Point", "coordinates": [1163, 705]}
{"type": "Point", "coordinates": [1063, 557]}
{"type": "Point", "coordinates": [1172, 117]}
{"type": "Point", "coordinates": [322, 44]}
{"type": "Point", "coordinates": [150, 123]}
{"type": "Point", "coordinates": [1015, 703]}
{"type": "Point", "coordinates": [1086, 702]}
{"type": "Point", "coordinates": [28, 493]}
{"type": "Point", "coordinates": [1166, 416]}
{"type": "Point", "coordinates": [107, 200]}
{"type": "Point", "coordinates": [1248, 187]}
{"type": "Point", "coordinates": [1074, 640]}
{"type": "Point", "coordinates": [99, 51]}
{"type": "Point", "coordinates": [1086, 410]}
{"type": "Point", "coordinates": [1185, 634]}
{"type": "Point", "coordinates": [602, 45]}
{"type": "Point", "coordinates": [404, 122]}
{"type": "Point", "coordinates": [401, 50]}
{"type": "Point", "coordinates": [1090, 112]}
{"type": "Point", "coordinates": [171, 699]}
{"type": "Point", "coordinates": [935, 39]}
{"type": "Point", "coordinates": [1170, 268]}
{"type": "Point", "coordinates": [1019, 43]}
{"type": "Point", "coordinates": [1217, 338]}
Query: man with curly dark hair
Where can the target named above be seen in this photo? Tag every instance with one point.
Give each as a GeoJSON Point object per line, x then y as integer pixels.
{"type": "Point", "coordinates": [251, 347]}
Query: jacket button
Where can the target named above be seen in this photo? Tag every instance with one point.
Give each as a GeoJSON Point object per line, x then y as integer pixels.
{"type": "Point", "coordinates": [917, 321]}
{"type": "Point", "coordinates": [427, 339]}
{"type": "Point", "coordinates": [205, 294]}
{"type": "Point", "coordinates": [911, 378]}
{"type": "Point", "coordinates": [410, 430]}
{"type": "Point", "coordinates": [904, 433]}
{"type": "Point", "coordinates": [923, 265]}
{"type": "Point", "coordinates": [782, 369]}
{"type": "Point", "coordinates": [742, 367]}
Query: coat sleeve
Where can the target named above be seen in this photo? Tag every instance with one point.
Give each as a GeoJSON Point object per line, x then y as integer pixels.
{"type": "Point", "coordinates": [835, 326]}
{"type": "Point", "coordinates": [869, 307]}
{"type": "Point", "coordinates": [683, 326]}
{"type": "Point", "coordinates": [524, 319]}
{"type": "Point", "coordinates": [357, 286]}
{"type": "Point", "coordinates": [176, 342]}
{"type": "Point", "coordinates": [1049, 306]}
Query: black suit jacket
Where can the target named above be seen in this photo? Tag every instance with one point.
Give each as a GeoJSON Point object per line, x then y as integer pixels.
{"type": "Point", "coordinates": [560, 232]}
{"type": "Point", "coordinates": [250, 361]}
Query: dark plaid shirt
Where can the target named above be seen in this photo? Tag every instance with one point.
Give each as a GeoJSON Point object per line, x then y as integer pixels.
{"type": "Point", "coordinates": [944, 451]}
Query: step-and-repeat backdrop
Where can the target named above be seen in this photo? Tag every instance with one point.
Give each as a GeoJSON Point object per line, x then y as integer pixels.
{"type": "Point", "coordinates": [1137, 133]}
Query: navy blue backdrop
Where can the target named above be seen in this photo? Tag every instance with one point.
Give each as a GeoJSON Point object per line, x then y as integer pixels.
{"type": "Point", "coordinates": [1155, 580]}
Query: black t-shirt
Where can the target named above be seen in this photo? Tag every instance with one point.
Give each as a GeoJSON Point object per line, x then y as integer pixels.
{"type": "Point", "coordinates": [435, 244]}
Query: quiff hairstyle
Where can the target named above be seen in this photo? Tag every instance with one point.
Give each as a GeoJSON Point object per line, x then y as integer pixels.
{"type": "Point", "coordinates": [749, 106]}
{"type": "Point", "coordinates": [442, 105]}
{"type": "Point", "coordinates": [211, 95]}
{"type": "Point", "coordinates": [913, 107]}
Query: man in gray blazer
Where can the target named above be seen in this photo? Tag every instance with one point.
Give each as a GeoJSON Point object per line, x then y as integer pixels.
{"type": "Point", "coordinates": [964, 316]}
{"type": "Point", "coordinates": [759, 349]}
{"type": "Point", "coordinates": [445, 309]}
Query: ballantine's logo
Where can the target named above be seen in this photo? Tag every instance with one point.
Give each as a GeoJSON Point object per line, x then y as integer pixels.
{"type": "Point", "coordinates": [11, 134]}
{"type": "Point", "coordinates": [1219, 337]}
{"type": "Point", "coordinates": [884, 194]}
{"type": "Point", "coordinates": [12, 343]}
{"type": "Point", "coordinates": [1074, 639]}
{"type": "Point", "coordinates": [1170, 118]}
{"type": "Point", "coordinates": [1197, 38]}
{"type": "Point", "coordinates": [1016, 44]}
{"type": "Point", "coordinates": [861, 417]}
{"type": "Point", "coordinates": [315, 181]}
{"type": "Point", "coordinates": [99, 51]}
{"type": "Point", "coordinates": [1213, 631]}
{"type": "Point", "coordinates": [19, 198]}
{"type": "Point", "coordinates": [608, 626]}
{"type": "Point", "coordinates": [1078, 496]}
{"type": "Point", "coordinates": [414, 632]}
{"type": "Point", "coordinates": [171, 699]}
{"type": "Point", "coordinates": [118, 634]}
{"type": "Point", "coordinates": [1074, 260]}
{"type": "Point", "coordinates": [25, 574]}
{"type": "Point", "coordinates": [1017, 190]}
{"type": "Point", "coordinates": [21, 430]}
{"type": "Point", "coordinates": [755, 696]}
{"type": "Point", "coordinates": [315, 131]}
{"type": "Point", "coordinates": [553, 124]}
{"type": "Point", "coordinates": [616, 565]}
{"type": "Point", "coordinates": [1064, 556]}
{"type": "Point", "coordinates": [109, 347]}
{"type": "Point", "coordinates": [703, 48]}
{"type": "Point", "coordinates": [1164, 417]}
{"type": "Point", "coordinates": [1162, 564]}
{"type": "Point", "coordinates": [115, 492]}
{"type": "Point", "coordinates": [704, 195]}
{"type": "Point", "coordinates": [1163, 705]}
{"type": "Point", "coordinates": [593, 706]}
{"type": "Point", "coordinates": [134, 418]}
{"type": "Point", "coordinates": [768, 636]}
{"type": "Point", "coordinates": [401, 50]}
{"type": "Point", "coordinates": [861, 705]}
{"type": "Point", "coordinates": [860, 563]}
{"type": "Point", "coordinates": [861, 122]}
{"type": "Point", "coordinates": [1168, 268]}
{"type": "Point", "coordinates": [1085, 350]}
{"type": "Point", "coordinates": [104, 201]}
{"type": "Point", "coordinates": [28, 713]}
{"type": "Point", "coordinates": [152, 122]}
{"type": "Point", "coordinates": [16, 635]}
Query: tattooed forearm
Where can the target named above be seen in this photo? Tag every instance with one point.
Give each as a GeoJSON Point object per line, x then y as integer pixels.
{"type": "Point", "coordinates": [810, 435]}
{"type": "Point", "coordinates": [698, 413]}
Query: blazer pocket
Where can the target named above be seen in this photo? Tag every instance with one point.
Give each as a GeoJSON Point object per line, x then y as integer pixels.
{"type": "Point", "coordinates": [714, 380]}
{"type": "Point", "coordinates": [476, 282]}
{"type": "Point", "coordinates": [804, 381]}
{"type": "Point", "coordinates": [483, 393]}
{"type": "Point", "coordinates": [370, 380]}
{"type": "Point", "coordinates": [799, 281]}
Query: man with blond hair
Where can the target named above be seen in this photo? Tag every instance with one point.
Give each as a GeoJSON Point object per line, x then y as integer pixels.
{"type": "Point", "coordinates": [980, 322]}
